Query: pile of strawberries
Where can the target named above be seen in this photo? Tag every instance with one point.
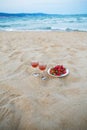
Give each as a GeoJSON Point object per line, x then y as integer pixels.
{"type": "Point", "coordinates": [58, 70]}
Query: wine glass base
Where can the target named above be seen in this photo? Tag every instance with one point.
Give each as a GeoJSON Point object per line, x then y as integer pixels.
{"type": "Point", "coordinates": [35, 74]}
{"type": "Point", "coordinates": [43, 78]}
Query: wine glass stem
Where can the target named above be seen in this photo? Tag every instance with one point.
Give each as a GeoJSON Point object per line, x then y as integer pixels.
{"type": "Point", "coordinates": [36, 74]}
{"type": "Point", "coordinates": [43, 77]}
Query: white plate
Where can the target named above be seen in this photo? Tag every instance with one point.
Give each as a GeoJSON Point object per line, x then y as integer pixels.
{"type": "Point", "coordinates": [67, 72]}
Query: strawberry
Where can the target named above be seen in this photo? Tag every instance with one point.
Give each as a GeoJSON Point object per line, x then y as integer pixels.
{"type": "Point", "coordinates": [64, 71]}
{"type": "Point", "coordinates": [58, 70]}
{"type": "Point", "coordinates": [52, 71]}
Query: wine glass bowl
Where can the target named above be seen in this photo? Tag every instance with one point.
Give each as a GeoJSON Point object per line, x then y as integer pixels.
{"type": "Point", "coordinates": [42, 67]}
{"type": "Point", "coordinates": [35, 64]}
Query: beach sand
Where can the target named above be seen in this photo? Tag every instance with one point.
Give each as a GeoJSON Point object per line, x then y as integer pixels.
{"type": "Point", "coordinates": [30, 103]}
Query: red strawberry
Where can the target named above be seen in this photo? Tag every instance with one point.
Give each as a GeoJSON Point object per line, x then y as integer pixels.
{"type": "Point", "coordinates": [52, 71]}
{"type": "Point", "coordinates": [58, 70]}
{"type": "Point", "coordinates": [64, 71]}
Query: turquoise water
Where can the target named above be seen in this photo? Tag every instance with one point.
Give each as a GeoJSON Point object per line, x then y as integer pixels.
{"type": "Point", "coordinates": [39, 21]}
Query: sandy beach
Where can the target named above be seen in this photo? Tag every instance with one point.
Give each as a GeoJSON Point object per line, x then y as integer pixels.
{"type": "Point", "coordinates": [30, 103]}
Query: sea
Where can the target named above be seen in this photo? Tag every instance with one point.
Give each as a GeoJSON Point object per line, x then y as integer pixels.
{"type": "Point", "coordinates": [42, 22]}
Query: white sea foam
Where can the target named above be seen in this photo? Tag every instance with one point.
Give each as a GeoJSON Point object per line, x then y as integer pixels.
{"type": "Point", "coordinates": [43, 22]}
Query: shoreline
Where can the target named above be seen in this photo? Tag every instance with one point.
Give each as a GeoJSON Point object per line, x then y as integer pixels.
{"type": "Point", "coordinates": [41, 31]}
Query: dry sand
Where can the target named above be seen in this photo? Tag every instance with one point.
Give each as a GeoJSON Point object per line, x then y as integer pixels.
{"type": "Point", "coordinates": [29, 103]}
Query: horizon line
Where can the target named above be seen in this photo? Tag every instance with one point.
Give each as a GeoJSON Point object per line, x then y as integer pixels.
{"type": "Point", "coordinates": [42, 13]}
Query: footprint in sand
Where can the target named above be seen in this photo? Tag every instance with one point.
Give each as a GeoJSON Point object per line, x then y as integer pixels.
{"type": "Point", "coordinates": [15, 54]}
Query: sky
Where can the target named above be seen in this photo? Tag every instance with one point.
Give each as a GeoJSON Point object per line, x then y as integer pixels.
{"type": "Point", "coordinates": [44, 6]}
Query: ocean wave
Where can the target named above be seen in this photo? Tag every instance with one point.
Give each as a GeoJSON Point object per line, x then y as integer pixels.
{"type": "Point", "coordinates": [43, 22]}
{"type": "Point", "coordinates": [4, 26]}
{"type": "Point", "coordinates": [45, 29]}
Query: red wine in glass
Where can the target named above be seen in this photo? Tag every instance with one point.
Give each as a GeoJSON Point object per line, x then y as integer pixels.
{"type": "Point", "coordinates": [35, 64]}
{"type": "Point", "coordinates": [42, 67]}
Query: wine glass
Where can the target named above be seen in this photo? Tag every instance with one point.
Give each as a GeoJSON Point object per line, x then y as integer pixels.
{"type": "Point", "coordinates": [35, 64]}
{"type": "Point", "coordinates": [42, 67]}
